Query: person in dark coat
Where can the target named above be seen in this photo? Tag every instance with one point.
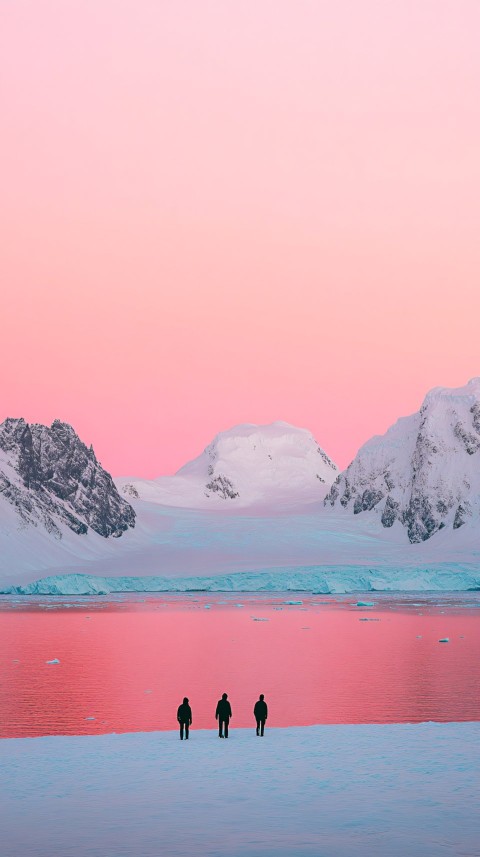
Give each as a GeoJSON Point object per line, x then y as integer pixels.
{"type": "Point", "coordinates": [260, 712]}
{"type": "Point", "coordinates": [223, 715]}
{"type": "Point", "coordinates": [184, 717]}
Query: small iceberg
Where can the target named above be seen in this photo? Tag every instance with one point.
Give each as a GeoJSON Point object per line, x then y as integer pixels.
{"type": "Point", "coordinates": [259, 619]}
{"type": "Point", "coordinates": [54, 661]}
{"type": "Point", "coordinates": [293, 602]}
{"type": "Point", "coordinates": [444, 640]}
{"type": "Point", "coordinates": [365, 604]}
{"type": "Point", "coordinates": [90, 718]}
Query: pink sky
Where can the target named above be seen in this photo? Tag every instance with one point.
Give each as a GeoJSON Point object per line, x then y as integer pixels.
{"type": "Point", "coordinates": [223, 212]}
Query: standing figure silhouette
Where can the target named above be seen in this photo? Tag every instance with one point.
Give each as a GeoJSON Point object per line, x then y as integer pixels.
{"type": "Point", "coordinates": [260, 712]}
{"type": "Point", "coordinates": [223, 715]}
{"type": "Point", "coordinates": [184, 717]}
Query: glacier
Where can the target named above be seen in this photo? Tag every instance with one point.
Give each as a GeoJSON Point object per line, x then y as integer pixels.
{"type": "Point", "coordinates": [321, 580]}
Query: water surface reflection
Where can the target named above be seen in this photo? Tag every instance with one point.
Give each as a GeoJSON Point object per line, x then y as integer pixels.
{"type": "Point", "coordinates": [126, 661]}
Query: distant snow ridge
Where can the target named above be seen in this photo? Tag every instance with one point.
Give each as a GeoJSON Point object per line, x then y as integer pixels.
{"type": "Point", "coordinates": [424, 472]}
{"type": "Point", "coordinates": [50, 478]}
{"type": "Point", "coordinates": [248, 465]}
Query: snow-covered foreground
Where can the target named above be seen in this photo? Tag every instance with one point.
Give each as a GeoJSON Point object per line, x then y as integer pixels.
{"type": "Point", "coordinates": [328, 791]}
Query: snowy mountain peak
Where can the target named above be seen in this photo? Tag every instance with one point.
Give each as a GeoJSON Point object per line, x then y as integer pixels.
{"type": "Point", "coordinates": [48, 477]}
{"type": "Point", "coordinates": [472, 388]}
{"type": "Point", "coordinates": [276, 465]}
{"type": "Point", "coordinates": [424, 472]}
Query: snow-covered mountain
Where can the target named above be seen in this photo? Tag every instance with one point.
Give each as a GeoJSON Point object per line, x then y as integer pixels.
{"type": "Point", "coordinates": [57, 506]}
{"type": "Point", "coordinates": [51, 481]}
{"type": "Point", "coordinates": [275, 465]}
{"type": "Point", "coordinates": [424, 473]}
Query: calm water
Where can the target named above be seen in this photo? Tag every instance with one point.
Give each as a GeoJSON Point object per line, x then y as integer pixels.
{"type": "Point", "coordinates": [127, 661]}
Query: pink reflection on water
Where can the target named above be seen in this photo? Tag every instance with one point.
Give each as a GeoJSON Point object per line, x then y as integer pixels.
{"type": "Point", "coordinates": [130, 664]}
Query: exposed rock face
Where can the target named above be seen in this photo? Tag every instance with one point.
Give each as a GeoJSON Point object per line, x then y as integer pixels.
{"type": "Point", "coordinates": [425, 471]}
{"type": "Point", "coordinates": [223, 487]}
{"type": "Point", "coordinates": [52, 478]}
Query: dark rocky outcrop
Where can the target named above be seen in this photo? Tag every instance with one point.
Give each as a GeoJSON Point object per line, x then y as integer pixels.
{"type": "Point", "coordinates": [51, 477]}
{"type": "Point", "coordinates": [223, 487]}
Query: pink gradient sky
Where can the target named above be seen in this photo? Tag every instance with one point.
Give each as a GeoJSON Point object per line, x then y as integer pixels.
{"type": "Point", "coordinates": [221, 212]}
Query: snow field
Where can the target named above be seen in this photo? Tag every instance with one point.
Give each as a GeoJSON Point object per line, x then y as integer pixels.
{"type": "Point", "coordinates": [322, 791]}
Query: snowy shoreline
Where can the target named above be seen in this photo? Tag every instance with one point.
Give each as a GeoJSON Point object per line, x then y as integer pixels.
{"type": "Point", "coordinates": [330, 790]}
{"type": "Point", "coordinates": [321, 580]}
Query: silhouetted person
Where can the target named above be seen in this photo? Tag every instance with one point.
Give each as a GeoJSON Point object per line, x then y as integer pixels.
{"type": "Point", "coordinates": [223, 715]}
{"type": "Point", "coordinates": [184, 717]}
{"type": "Point", "coordinates": [260, 711]}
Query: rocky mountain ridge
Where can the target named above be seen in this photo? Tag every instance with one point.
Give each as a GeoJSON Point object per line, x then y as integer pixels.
{"type": "Point", "coordinates": [424, 472]}
{"type": "Point", "coordinates": [51, 479]}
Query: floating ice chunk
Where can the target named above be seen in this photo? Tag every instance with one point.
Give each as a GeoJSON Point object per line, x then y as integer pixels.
{"type": "Point", "coordinates": [90, 718]}
{"type": "Point", "coordinates": [239, 605]}
{"type": "Point", "coordinates": [444, 640]}
{"type": "Point", "coordinates": [365, 604]}
{"type": "Point", "coordinates": [259, 619]}
{"type": "Point", "coordinates": [54, 661]}
{"type": "Point", "coordinates": [293, 602]}
{"type": "Point", "coordinates": [419, 636]}
{"type": "Point", "coordinates": [147, 691]}
{"type": "Point", "coordinates": [207, 606]}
